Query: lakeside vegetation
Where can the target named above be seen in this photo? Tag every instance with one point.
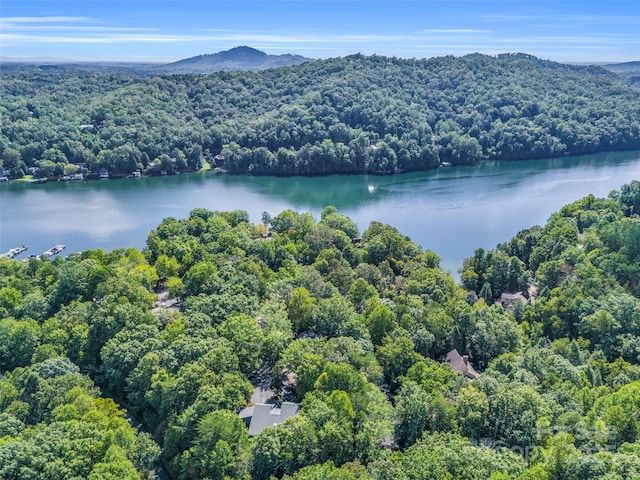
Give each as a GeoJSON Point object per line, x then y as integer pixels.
{"type": "Point", "coordinates": [352, 325]}
{"type": "Point", "coordinates": [344, 115]}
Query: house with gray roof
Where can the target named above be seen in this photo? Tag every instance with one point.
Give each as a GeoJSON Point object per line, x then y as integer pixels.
{"type": "Point", "coordinates": [263, 415]}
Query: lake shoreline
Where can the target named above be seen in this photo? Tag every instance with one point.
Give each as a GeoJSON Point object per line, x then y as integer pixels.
{"type": "Point", "coordinates": [450, 211]}
{"type": "Point", "coordinates": [217, 171]}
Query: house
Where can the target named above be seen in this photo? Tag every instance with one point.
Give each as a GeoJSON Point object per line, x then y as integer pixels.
{"type": "Point", "coordinates": [460, 363]}
{"type": "Point", "coordinates": [263, 415]}
{"type": "Point", "coordinates": [104, 174]}
{"type": "Point", "coordinates": [508, 300]}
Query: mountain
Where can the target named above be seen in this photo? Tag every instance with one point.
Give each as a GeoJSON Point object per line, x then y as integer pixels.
{"type": "Point", "coordinates": [238, 58]}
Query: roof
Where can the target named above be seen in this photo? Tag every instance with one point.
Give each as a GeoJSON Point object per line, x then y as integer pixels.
{"type": "Point", "coordinates": [508, 300]}
{"type": "Point", "coordinates": [513, 296]}
{"type": "Point", "coordinates": [460, 363]}
{"type": "Point", "coordinates": [263, 415]}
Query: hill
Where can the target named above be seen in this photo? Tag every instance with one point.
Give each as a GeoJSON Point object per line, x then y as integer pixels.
{"type": "Point", "coordinates": [343, 115]}
{"type": "Point", "coordinates": [623, 67]}
{"type": "Point", "coordinates": [238, 58]}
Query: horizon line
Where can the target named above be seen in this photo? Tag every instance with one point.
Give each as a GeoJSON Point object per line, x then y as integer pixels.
{"type": "Point", "coordinates": [163, 60]}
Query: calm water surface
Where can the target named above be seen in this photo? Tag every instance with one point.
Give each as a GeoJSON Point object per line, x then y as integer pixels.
{"type": "Point", "coordinates": [451, 211]}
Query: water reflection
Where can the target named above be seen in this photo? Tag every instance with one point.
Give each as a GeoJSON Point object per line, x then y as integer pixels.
{"type": "Point", "coordinates": [451, 211]}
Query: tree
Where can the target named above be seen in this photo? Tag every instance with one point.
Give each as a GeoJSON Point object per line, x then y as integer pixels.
{"type": "Point", "coordinates": [166, 267]}
{"type": "Point", "coordinates": [381, 322]}
{"type": "Point", "coordinates": [472, 412]}
{"type": "Point", "coordinates": [396, 356]}
{"type": "Point", "coordinates": [19, 341]}
{"type": "Point", "coordinates": [247, 337]}
{"type": "Point", "coordinates": [330, 314]}
{"type": "Point", "coordinates": [265, 454]}
{"type": "Point", "coordinates": [495, 332]}
{"type": "Point", "coordinates": [412, 414]}
{"type": "Point", "coordinates": [220, 440]}
{"type": "Point", "coordinates": [300, 308]}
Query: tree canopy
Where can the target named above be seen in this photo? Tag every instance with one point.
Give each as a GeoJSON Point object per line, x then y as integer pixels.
{"type": "Point", "coordinates": [353, 326]}
{"type": "Point", "coordinates": [343, 115]}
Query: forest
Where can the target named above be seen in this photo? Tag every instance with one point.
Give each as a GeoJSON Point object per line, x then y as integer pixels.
{"type": "Point", "coordinates": [352, 325]}
{"type": "Point", "coordinates": [353, 114]}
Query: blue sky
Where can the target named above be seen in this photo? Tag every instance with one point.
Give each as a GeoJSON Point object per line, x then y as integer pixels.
{"type": "Point", "coordinates": [166, 30]}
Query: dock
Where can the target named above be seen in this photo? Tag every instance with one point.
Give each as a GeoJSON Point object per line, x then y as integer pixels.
{"type": "Point", "coordinates": [14, 251]}
{"type": "Point", "coordinates": [53, 251]}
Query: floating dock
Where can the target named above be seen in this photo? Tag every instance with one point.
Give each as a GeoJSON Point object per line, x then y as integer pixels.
{"type": "Point", "coordinates": [14, 252]}
{"type": "Point", "coordinates": [53, 251]}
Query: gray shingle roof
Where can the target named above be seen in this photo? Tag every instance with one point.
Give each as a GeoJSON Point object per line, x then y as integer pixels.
{"type": "Point", "coordinates": [263, 415]}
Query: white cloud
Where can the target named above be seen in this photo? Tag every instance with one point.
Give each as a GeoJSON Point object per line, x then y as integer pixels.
{"type": "Point", "coordinates": [51, 19]}
{"type": "Point", "coordinates": [569, 40]}
{"type": "Point", "coordinates": [79, 28]}
{"type": "Point", "coordinates": [567, 18]}
{"type": "Point", "coordinates": [108, 36]}
{"type": "Point", "coordinates": [56, 35]}
{"type": "Point", "coordinates": [606, 19]}
{"type": "Point", "coordinates": [457, 30]}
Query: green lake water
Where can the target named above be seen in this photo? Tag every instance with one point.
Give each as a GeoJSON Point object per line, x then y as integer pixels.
{"type": "Point", "coordinates": [452, 210]}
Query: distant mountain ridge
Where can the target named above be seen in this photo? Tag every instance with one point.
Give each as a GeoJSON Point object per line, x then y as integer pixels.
{"type": "Point", "coordinates": [238, 58]}
{"type": "Point", "coordinates": [623, 67]}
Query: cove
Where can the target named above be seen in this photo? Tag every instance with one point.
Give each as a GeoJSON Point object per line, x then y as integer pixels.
{"type": "Point", "coordinates": [451, 210]}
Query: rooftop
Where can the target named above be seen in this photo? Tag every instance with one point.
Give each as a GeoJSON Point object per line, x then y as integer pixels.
{"type": "Point", "coordinates": [460, 363]}
{"type": "Point", "coordinates": [263, 415]}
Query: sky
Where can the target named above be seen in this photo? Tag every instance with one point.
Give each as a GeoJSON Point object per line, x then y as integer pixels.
{"type": "Point", "coordinates": [604, 31]}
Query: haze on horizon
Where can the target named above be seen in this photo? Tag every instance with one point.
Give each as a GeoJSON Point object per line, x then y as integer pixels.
{"type": "Point", "coordinates": [167, 30]}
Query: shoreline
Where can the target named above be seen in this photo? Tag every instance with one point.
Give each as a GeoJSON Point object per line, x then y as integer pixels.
{"type": "Point", "coordinates": [222, 171]}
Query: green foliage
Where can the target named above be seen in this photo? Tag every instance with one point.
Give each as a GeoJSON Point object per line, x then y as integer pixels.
{"type": "Point", "coordinates": [19, 341]}
{"type": "Point", "coordinates": [341, 115]}
{"type": "Point", "coordinates": [355, 331]}
{"type": "Point", "coordinates": [300, 308]}
{"type": "Point", "coordinates": [412, 412]}
{"type": "Point", "coordinates": [65, 431]}
{"type": "Point", "coordinates": [247, 338]}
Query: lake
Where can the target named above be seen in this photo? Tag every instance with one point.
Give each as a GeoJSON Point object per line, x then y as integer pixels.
{"type": "Point", "coordinates": [451, 210]}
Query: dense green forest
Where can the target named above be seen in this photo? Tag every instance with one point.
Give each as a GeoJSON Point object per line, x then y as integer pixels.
{"type": "Point", "coordinates": [355, 326]}
{"type": "Point", "coordinates": [342, 115]}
